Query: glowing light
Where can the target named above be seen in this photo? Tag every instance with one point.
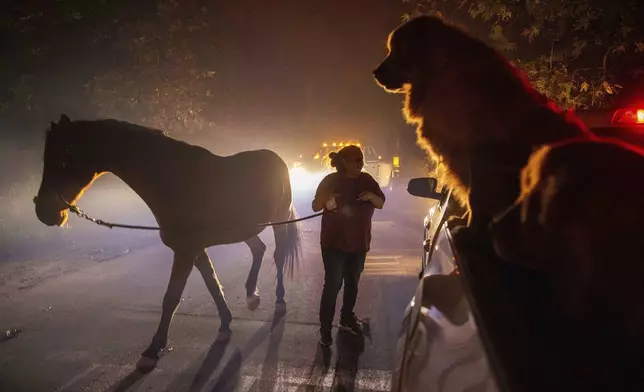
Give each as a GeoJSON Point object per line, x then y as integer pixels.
{"type": "Point", "coordinates": [358, 144]}
{"type": "Point", "coordinates": [629, 116]}
{"type": "Point", "coordinates": [379, 157]}
{"type": "Point", "coordinates": [317, 156]}
{"type": "Point", "coordinates": [325, 145]}
{"type": "Point", "coordinates": [341, 144]}
{"type": "Point", "coordinates": [297, 172]}
{"type": "Point", "coordinates": [396, 161]}
{"type": "Point", "coordinates": [303, 180]}
{"type": "Point", "coordinates": [334, 144]}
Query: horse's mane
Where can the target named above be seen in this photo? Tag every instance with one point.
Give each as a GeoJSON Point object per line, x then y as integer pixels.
{"type": "Point", "coordinates": [109, 123]}
{"type": "Point", "coordinates": [126, 126]}
{"type": "Point", "coordinates": [58, 133]}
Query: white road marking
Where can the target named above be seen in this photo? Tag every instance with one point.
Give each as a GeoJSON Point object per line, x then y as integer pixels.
{"type": "Point", "coordinates": [97, 374]}
{"type": "Point", "coordinates": [289, 379]}
{"type": "Point", "coordinates": [384, 265]}
{"type": "Point", "coordinates": [383, 251]}
{"type": "Point", "coordinates": [286, 378]}
{"type": "Point", "coordinates": [77, 378]}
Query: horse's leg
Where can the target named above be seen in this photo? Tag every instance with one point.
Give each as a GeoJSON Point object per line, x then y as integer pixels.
{"type": "Point", "coordinates": [280, 259]}
{"type": "Point", "coordinates": [257, 248]}
{"type": "Point", "coordinates": [181, 268]}
{"type": "Point", "coordinates": [207, 271]}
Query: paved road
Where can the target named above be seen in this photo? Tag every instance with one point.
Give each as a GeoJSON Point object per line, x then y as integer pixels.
{"type": "Point", "coordinates": [84, 330]}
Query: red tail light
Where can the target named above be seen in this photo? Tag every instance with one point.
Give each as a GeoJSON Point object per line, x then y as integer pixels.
{"type": "Point", "coordinates": [628, 117]}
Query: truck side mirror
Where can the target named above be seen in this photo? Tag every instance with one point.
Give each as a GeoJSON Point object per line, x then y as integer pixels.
{"type": "Point", "coordinates": [424, 187]}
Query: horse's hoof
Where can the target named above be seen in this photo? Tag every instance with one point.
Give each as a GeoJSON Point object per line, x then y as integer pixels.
{"type": "Point", "coordinates": [253, 301]}
{"type": "Point", "coordinates": [225, 322]}
{"type": "Point", "coordinates": [280, 307]}
{"type": "Point", "coordinates": [145, 364]}
{"type": "Point", "coordinates": [224, 335]}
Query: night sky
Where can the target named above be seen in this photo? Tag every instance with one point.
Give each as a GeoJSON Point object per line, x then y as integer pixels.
{"type": "Point", "coordinates": [302, 69]}
{"type": "Point", "coordinates": [289, 75]}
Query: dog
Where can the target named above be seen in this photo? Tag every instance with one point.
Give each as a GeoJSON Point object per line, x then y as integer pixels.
{"type": "Point", "coordinates": [579, 216]}
{"type": "Point", "coordinates": [580, 220]}
{"type": "Point", "coordinates": [476, 114]}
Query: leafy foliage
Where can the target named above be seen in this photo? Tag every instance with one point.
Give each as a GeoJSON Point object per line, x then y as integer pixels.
{"type": "Point", "coordinates": [165, 85]}
{"type": "Point", "coordinates": [149, 61]}
{"type": "Point", "coordinates": [578, 53]}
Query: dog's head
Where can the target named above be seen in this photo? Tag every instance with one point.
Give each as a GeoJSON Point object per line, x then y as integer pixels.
{"type": "Point", "coordinates": [414, 50]}
{"type": "Point", "coordinates": [579, 217]}
{"type": "Point", "coordinates": [572, 192]}
{"type": "Point", "coordinates": [579, 220]}
{"type": "Point", "coordinates": [524, 232]}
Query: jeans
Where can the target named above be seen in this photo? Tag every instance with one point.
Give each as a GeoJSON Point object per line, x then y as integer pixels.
{"type": "Point", "coordinates": [340, 266]}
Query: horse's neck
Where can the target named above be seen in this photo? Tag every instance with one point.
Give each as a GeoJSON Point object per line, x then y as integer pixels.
{"type": "Point", "coordinates": [137, 161]}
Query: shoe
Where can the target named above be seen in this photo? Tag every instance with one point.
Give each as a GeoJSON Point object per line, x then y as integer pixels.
{"type": "Point", "coordinates": [352, 326]}
{"type": "Point", "coordinates": [325, 337]}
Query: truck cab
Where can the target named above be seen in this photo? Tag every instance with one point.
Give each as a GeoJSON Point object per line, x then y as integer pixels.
{"type": "Point", "coordinates": [309, 169]}
{"type": "Point", "coordinates": [380, 169]}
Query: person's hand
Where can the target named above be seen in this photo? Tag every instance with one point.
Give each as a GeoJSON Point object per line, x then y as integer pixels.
{"type": "Point", "coordinates": [331, 204]}
{"type": "Point", "coordinates": [366, 196]}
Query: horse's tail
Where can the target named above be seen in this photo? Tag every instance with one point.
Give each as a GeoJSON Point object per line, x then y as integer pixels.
{"type": "Point", "coordinates": [292, 244]}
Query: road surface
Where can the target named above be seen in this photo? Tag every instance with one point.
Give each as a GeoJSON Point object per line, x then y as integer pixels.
{"type": "Point", "coordinates": [83, 330]}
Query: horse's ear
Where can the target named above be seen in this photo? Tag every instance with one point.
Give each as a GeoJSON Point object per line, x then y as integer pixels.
{"type": "Point", "coordinates": [64, 119]}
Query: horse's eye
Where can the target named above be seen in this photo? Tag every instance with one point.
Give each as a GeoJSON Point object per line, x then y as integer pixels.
{"type": "Point", "coordinates": [35, 198]}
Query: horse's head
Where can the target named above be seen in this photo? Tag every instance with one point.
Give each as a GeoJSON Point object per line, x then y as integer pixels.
{"type": "Point", "coordinates": [67, 171]}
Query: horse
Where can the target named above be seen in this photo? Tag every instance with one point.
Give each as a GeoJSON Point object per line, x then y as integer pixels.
{"type": "Point", "coordinates": [198, 199]}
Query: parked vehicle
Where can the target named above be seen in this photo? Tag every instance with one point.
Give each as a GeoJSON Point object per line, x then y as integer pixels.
{"type": "Point", "coordinates": [308, 170]}
{"type": "Point", "coordinates": [439, 346]}
{"type": "Point", "coordinates": [622, 123]}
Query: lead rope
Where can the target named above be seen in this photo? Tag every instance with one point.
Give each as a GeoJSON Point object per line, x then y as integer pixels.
{"type": "Point", "coordinates": [81, 214]}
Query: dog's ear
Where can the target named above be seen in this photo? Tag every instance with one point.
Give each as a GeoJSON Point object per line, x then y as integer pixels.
{"type": "Point", "coordinates": [543, 203]}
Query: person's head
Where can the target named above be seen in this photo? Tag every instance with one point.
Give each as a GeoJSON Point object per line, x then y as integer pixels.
{"type": "Point", "coordinates": [349, 160]}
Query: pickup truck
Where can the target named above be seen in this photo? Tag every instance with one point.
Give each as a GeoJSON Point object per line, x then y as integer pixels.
{"type": "Point", "coordinates": [307, 172]}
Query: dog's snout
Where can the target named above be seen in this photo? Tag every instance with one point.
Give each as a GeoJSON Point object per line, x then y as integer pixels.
{"type": "Point", "coordinates": [377, 71]}
{"type": "Point", "coordinates": [388, 77]}
{"type": "Point", "coordinates": [505, 231]}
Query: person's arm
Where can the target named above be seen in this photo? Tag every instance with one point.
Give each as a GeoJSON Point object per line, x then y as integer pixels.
{"type": "Point", "coordinates": [318, 204]}
{"type": "Point", "coordinates": [377, 201]}
{"type": "Point", "coordinates": [372, 197]}
{"type": "Point", "coordinates": [323, 194]}
{"type": "Point", "coordinates": [373, 194]}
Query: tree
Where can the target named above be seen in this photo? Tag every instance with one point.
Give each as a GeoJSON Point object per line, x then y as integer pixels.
{"type": "Point", "coordinates": [161, 80]}
{"type": "Point", "coordinates": [149, 61]}
{"type": "Point", "coordinates": [578, 53]}
{"type": "Point", "coordinates": [36, 37]}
